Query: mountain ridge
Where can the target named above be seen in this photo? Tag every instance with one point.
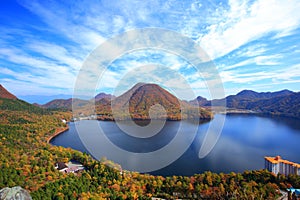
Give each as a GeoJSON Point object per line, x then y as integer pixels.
{"type": "Point", "coordinates": [283, 102]}
{"type": "Point", "coordinates": [103, 95]}
{"type": "Point", "coordinates": [139, 101]}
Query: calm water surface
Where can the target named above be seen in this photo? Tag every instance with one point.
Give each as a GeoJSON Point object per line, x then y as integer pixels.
{"type": "Point", "coordinates": [244, 141]}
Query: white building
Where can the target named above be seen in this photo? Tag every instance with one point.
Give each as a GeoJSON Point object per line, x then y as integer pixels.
{"type": "Point", "coordinates": [278, 165]}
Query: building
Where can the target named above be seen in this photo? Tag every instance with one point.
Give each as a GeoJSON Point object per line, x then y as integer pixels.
{"type": "Point", "coordinates": [61, 166]}
{"type": "Point", "coordinates": [278, 165]}
{"type": "Point", "coordinates": [71, 167]}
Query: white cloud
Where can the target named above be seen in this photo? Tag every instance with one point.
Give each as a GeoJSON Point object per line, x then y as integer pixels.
{"type": "Point", "coordinates": [238, 64]}
{"type": "Point", "coordinates": [255, 61]}
{"type": "Point", "coordinates": [267, 60]}
{"type": "Point", "coordinates": [244, 22]}
{"type": "Point", "coordinates": [251, 51]}
{"type": "Point", "coordinates": [57, 53]}
{"type": "Point", "coordinates": [289, 73]}
{"type": "Point", "coordinates": [70, 25]}
{"type": "Point", "coordinates": [38, 71]}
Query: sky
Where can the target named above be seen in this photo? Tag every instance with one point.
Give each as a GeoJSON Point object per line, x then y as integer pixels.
{"type": "Point", "coordinates": [44, 44]}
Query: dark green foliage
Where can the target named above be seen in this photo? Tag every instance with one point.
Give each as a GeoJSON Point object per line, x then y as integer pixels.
{"type": "Point", "coordinates": [20, 105]}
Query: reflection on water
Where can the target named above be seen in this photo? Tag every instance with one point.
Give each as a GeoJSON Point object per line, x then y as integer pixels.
{"type": "Point", "coordinates": [244, 142]}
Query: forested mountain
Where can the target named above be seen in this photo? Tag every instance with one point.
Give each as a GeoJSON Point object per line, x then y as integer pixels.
{"type": "Point", "coordinates": [138, 99]}
{"type": "Point", "coordinates": [20, 105]}
{"type": "Point", "coordinates": [64, 103]}
{"type": "Point", "coordinates": [249, 94]}
{"type": "Point", "coordinates": [285, 102]}
{"type": "Point", "coordinates": [141, 97]}
{"type": "Point", "coordinates": [10, 102]}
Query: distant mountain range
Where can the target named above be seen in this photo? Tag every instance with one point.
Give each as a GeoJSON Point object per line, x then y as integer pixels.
{"type": "Point", "coordinates": [43, 99]}
{"type": "Point", "coordinates": [284, 103]}
{"type": "Point", "coordinates": [137, 100]}
{"type": "Point", "coordinates": [142, 96]}
{"type": "Point", "coordinates": [64, 104]}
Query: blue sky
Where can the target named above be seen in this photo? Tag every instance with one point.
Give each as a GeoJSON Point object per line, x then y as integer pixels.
{"type": "Point", "coordinates": [254, 44]}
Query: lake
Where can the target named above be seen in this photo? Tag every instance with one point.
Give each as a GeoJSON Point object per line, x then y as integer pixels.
{"type": "Point", "coordinates": [242, 145]}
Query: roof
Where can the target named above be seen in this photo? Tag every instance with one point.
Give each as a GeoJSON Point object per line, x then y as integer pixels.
{"type": "Point", "coordinates": [61, 165]}
{"type": "Point", "coordinates": [72, 169]}
{"type": "Point", "coordinates": [277, 159]}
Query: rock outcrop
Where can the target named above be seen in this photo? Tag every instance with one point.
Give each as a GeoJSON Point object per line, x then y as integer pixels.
{"type": "Point", "coordinates": [14, 193]}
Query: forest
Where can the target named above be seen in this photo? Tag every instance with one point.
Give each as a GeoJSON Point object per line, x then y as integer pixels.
{"type": "Point", "coordinates": [27, 160]}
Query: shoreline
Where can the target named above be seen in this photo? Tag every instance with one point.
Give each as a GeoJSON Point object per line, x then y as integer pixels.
{"type": "Point", "coordinates": [58, 131]}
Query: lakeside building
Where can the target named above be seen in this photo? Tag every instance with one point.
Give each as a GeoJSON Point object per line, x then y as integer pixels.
{"type": "Point", "coordinates": [71, 167]}
{"type": "Point", "coordinates": [278, 165]}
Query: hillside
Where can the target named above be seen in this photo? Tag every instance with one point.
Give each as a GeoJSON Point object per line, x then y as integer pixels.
{"type": "Point", "coordinates": [20, 105]}
{"type": "Point", "coordinates": [25, 157]}
{"type": "Point", "coordinates": [9, 102]}
{"type": "Point", "coordinates": [284, 103]}
{"type": "Point", "coordinates": [281, 105]}
{"type": "Point", "coordinates": [65, 104]}
{"type": "Point", "coordinates": [141, 97]}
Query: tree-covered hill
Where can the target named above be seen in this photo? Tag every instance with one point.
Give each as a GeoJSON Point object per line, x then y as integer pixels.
{"type": "Point", "coordinates": [139, 101]}
{"type": "Point", "coordinates": [283, 103]}
{"type": "Point", "coordinates": [20, 105]}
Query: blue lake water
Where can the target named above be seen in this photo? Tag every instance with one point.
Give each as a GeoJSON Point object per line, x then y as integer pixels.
{"type": "Point", "coordinates": [242, 145]}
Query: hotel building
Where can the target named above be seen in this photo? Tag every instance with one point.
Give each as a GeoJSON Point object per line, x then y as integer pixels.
{"type": "Point", "coordinates": [278, 165]}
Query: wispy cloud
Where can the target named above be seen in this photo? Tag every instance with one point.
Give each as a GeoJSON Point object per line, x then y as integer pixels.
{"type": "Point", "coordinates": [276, 76]}
{"type": "Point", "coordinates": [245, 21]}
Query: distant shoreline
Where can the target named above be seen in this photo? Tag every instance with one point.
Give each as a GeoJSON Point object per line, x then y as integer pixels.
{"type": "Point", "coordinates": [167, 118]}
{"type": "Point", "coordinates": [237, 111]}
{"type": "Point", "coordinates": [58, 131]}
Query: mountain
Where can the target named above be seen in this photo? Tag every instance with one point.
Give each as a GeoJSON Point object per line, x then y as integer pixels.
{"type": "Point", "coordinates": [20, 105]}
{"type": "Point", "coordinates": [284, 102]}
{"type": "Point", "coordinates": [141, 97]}
{"type": "Point", "coordinates": [6, 94]}
{"type": "Point", "coordinates": [140, 100]}
{"type": "Point", "coordinates": [249, 94]}
{"type": "Point", "coordinates": [9, 102]}
{"type": "Point", "coordinates": [103, 96]}
{"type": "Point", "coordinates": [199, 101]}
{"type": "Point", "coordinates": [288, 105]}
{"type": "Point", "coordinates": [64, 103]}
